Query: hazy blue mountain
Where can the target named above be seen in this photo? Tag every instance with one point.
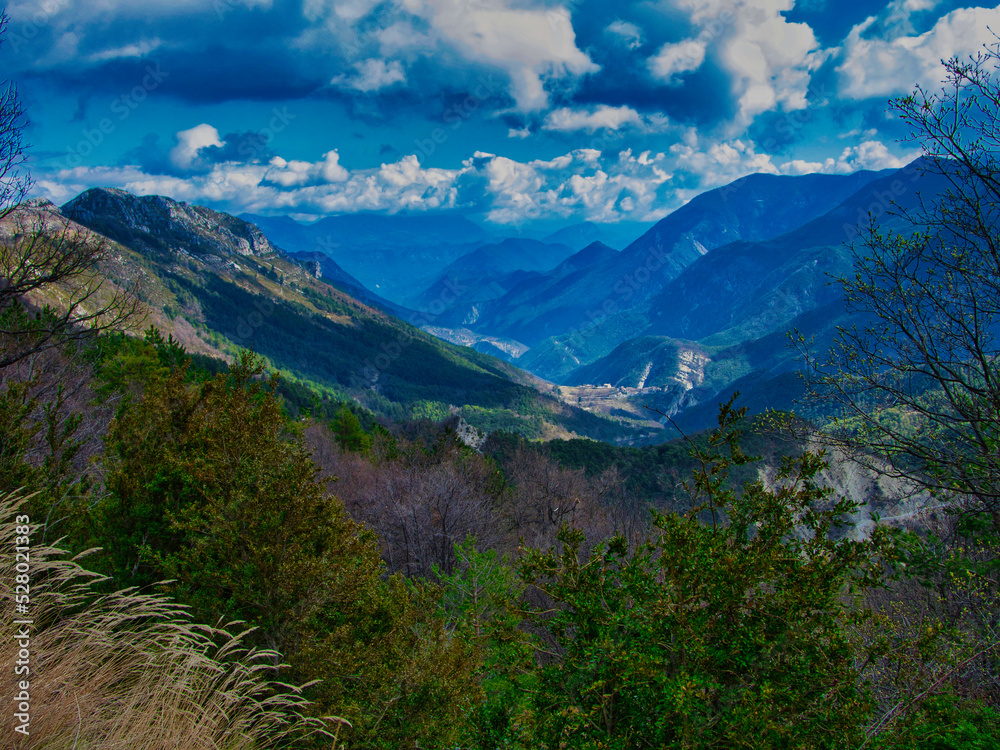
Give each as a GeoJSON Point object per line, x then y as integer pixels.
{"type": "Point", "coordinates": [594, 253]}
{"type": "Point", "coordinates": [617, 236]}
{"type": "Point", "coordinates": [729, 311]}
{"type": "Point", "coordinates": [641, 362]}
{"type": "Point", "coordinates": [745, 290]}
{"type": "Point", "coordinates": [511, 254]}
{"type": "Point", "coordinates": [536, 291]}
{"type": "Point", "coordinates": [391, 255]}
{"type": "Point", "coordinates": [455, 302]}
{"type": "Point", "coordinates": [323, 267]}
{"type": "Point", "coordinates": [753, 208]}
{"type": "Point", "coordinates": [284, 231]}
{"type": "Point", "coordinates": [371, 229]}
{"type": "Point", "coordinates": [400, 229]}
{"type": "Point", "coordinates": [458, 295]}
{"type": "Point", "coordinates": [494, 351]}
{"type": "Point", "coordinates": [765, 371]}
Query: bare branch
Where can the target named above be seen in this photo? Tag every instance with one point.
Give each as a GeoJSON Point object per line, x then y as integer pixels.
{"type": "Point", "coordinates": [917, 382]}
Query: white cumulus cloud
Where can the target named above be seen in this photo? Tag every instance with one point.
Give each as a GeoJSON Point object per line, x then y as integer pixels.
{"type": "Point", "coordinates": [567, 119]}
{"type": "Point", "coordinates": [372, 74]}
{"type": "Point", "coordinates": [297, 173]}
{"type": "Point", "coordinates": [770, 59]}
{"type": "Point", "coordinates": [627, 34]}
{"type": "Point", "coordinates": [529, 44]}
{"type": "Point", "coordinates": [602, 117]}
{"type": "Point", "coordinates": [678, 58]}
{"type": "Point", "coordinates": [881, 67]}
{"type": "Point", "coordinates": [870, 154]}
{"type": "Point", "coordinates": [189, 142]}
{"type": "Point", "coordinates": [719, 162]}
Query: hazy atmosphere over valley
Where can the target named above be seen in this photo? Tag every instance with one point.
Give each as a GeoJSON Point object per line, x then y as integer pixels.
{"type": "Point", "coordinates": [522, 374]}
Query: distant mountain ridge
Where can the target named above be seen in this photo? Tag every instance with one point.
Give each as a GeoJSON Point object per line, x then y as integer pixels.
{"type": "Point", "coordinates": [616, 236]}
{"type": "Point", "coordinates": [162, 227]}
{"type": "Point", "coordinates": [484, 274]}
{"type": "Point", "coordinates": [391, 255]}
{"type": "Point", "coordinates": [695, 307]}
{"type": "Point", "coordinates": [753, 208]}
{"type": "Point", "coordinates": [732, 307]}
{"type": "Point", "coordinates": [324, 267]}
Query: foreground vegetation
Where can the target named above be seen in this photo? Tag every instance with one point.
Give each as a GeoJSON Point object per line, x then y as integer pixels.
{"type": "Point", "coordinates": [451, 598]}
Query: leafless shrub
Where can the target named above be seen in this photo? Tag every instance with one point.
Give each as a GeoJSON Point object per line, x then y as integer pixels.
{"type": "Point", "coordinates": [53, 284]}
{"type": "Point", "coordinates": [936, 628]}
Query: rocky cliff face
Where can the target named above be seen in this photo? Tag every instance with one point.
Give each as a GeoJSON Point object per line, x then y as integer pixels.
{"type": "Point", "coordinates": [162, 226]}
{"type": "Point", "coordinates": [896, 501]}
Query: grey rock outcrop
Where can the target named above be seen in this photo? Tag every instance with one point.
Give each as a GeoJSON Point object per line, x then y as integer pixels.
{"type": "Point", "coordinates": [165, 227]}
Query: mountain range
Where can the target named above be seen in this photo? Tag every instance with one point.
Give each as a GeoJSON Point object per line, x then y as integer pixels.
{"type": "Point", "coordinates": [697, 306]}
{"type": "Point", "coordinates": [752, 209]}
{"type": "Point", "coordinates": [218, 284]}
{"type": "Point", "coordinates": [578, 236]}
{"type": "Point", "coordinates": [700, 304]}
{"type": "Point", "coordinates": [720, 324]}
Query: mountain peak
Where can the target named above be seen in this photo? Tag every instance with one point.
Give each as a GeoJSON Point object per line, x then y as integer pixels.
{"type": "Point", "coordinates": [579, 236]}
{"type": "Point", "coordinates": [162, 225]}
{"type": "Point", "coordinates": [595, 252]}
{"type": "Point", "coordinates": [596, 249]}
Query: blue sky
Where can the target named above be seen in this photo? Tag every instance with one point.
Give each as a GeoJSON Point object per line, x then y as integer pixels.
{"type": "Point", "coordinates": [509, 111]}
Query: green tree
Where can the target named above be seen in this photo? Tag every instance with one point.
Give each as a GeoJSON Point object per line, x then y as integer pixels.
{"type": "Point", "coordinates": [210, 485]}
{"type": "Point", "coordinates": [39, 446]}
{"type": "Point", "coordinates": [728, 629]}
{"type": "Point", "coordinates": [480, 597]}
{"type": "Point", "coordinates": [915, 385]}
{"type": "Point", "coordinates": [349, 433]}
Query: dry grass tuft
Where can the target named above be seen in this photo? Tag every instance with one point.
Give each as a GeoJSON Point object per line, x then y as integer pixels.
{"type": "Point", "coordinates": [129, 670]}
